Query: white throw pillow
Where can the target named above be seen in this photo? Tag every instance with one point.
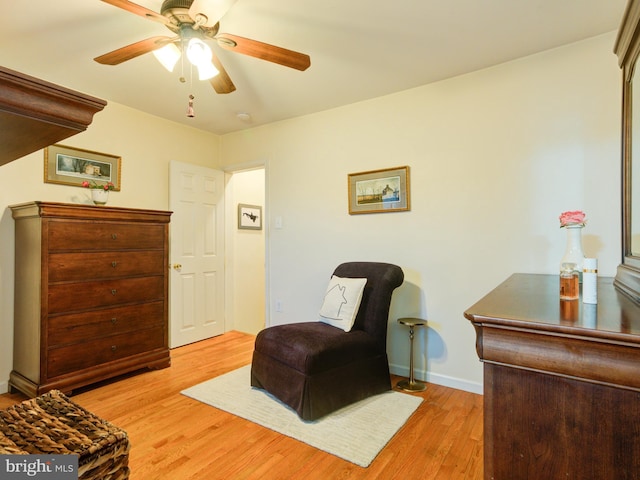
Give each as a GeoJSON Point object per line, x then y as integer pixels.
{"type": "Point", "coordinates": [342, 301]}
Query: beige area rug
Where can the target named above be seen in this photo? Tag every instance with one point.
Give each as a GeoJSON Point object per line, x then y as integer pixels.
{"type": "Point", "coordinates": [355, 433]}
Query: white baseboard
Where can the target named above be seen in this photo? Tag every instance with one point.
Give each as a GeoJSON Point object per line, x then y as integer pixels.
{"type": "Point", "coordinates": [444, 380]}
{"type": "Point", "coordinates": [4, 387]}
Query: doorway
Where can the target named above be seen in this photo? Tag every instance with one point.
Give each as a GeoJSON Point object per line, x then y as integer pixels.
{"type": "Point", "coordinates": [246, 270]}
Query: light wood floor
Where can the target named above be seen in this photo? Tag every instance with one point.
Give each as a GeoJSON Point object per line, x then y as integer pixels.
{"type": "Point", "coordinates": [177, 438]}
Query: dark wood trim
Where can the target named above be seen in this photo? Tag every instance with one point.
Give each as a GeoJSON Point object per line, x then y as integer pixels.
{"type": "Point", "coordinates": [87, 212]}
{"type": "Point", "coordinates": [35, 113]}
{"type": "Point", "coordinates": [627, 48]}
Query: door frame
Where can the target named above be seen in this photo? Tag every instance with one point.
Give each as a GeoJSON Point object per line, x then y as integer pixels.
{"type": "Point", "coordinates": [230, 226]}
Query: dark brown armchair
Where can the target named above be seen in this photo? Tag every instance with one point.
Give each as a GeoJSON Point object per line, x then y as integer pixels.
{"type": "Point", "coordinates": [317, 368]}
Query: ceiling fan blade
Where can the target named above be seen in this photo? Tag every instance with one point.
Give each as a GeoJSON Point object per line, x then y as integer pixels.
{"type": "Point", "coordinates": [134, 50]}
{"type": "Point", "coordinates": [221, 82]}
{"type": "Point", "coordinates": [264, 51]}
{"type": "Point", "coordinates": [138, 10]}
{"type": "Point", "coordinates": [214, 10]}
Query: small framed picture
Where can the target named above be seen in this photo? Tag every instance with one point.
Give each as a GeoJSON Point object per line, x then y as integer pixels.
{"type": "Point", "coordinates": [379, 191]}
{"type": "Point", "coordinates": [72, 166]}
{"type": "Point", "coordinates": [249, 217]}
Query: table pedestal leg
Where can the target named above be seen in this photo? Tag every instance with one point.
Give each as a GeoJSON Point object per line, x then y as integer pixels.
{"type": "Point", "coordinates": [411, 385]}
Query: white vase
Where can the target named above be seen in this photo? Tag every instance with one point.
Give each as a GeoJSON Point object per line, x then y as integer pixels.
{"type": "Point", "coordinates": [99, 196]}
{"type": "Point", "coordinates": [573, 253]}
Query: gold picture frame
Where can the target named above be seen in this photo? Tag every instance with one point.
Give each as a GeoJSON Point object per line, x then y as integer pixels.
{"type": "Point", "coordinates": [380, 191]}
{"type": "Point", "coordinates": [71, 166]}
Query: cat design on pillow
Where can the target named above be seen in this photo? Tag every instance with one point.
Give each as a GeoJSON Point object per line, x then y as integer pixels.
{"type": "Point", "coordinates": [342, 301]}
{"type": "Point", "coordinates": [336, 299]}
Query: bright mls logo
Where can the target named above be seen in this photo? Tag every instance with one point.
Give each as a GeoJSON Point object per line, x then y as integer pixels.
{"type": "Point", "coordinates": [50, 467]}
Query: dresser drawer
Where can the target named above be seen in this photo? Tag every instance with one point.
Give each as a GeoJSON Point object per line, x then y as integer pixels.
{"type": "Point", "coordinates": [103, 350]}
{"type": "Point", "coordinates": [71, 297]}
{"type": "Point", "coordinates": [68, 235]}
{"type": "Point", "coordinates": [80, 327]}
{"type": "Point", "coordinates": [90, 266]}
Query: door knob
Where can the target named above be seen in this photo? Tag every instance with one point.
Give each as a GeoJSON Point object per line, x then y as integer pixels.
{"type": "Point", "coordinates": [177, 266]}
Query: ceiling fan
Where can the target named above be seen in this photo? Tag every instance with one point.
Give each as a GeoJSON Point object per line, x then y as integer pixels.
{"type": "Point", "coordinates": [194, 22]}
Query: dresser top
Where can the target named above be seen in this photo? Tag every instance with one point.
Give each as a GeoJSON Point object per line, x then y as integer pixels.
{"type": "Point", "coordinates": [532, 302]}
{"type": "Point", "coordinates": [91, 212]}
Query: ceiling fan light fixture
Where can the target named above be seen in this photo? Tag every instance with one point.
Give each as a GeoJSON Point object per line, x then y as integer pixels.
{"type": "Point", "coordinates": [168, 56]}
{"type": "Point", "coordinates": [206, 71]}
{"type": "Point", "coordinates": [198, 52]}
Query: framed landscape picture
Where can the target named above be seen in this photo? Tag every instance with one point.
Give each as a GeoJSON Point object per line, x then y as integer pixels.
{"type": "Point", "coordinates": [379, 191]}
{"type": "Point", "coordinates": [72, 166]}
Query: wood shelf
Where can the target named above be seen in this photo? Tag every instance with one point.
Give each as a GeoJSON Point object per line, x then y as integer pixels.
{"type": "Point", "coordinates": [35, 114]}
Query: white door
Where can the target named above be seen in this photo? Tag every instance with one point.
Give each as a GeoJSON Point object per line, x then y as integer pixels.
{"type": "Point", "coordinates": [196, 197]}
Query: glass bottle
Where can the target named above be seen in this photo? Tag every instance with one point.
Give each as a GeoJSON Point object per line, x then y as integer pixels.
{"type": "Point", "coordinates": [569, 282]}
{"type": "Point", "coordinates": [573, 252]}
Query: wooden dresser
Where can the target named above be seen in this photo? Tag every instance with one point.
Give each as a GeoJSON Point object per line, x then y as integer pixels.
{"type": "Point", "coordinates": [561, 382]}
{"type": "Point", "coordinates": [91, 288]}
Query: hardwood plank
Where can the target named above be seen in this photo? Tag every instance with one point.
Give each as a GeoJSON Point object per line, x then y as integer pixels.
{"type": "Point", "coordinates": [175, 437]}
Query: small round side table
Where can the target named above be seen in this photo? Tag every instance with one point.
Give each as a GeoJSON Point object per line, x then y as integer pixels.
{"type": "Point", "coordinates": [411, 385]}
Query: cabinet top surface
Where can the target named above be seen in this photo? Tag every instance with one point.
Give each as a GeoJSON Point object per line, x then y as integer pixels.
{"type": "Point", "coordinates": [532, 302]}
{"type": "Point", "coordinates": [72, 210]}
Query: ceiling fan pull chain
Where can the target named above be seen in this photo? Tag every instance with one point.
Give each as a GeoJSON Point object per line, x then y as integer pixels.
{"type": "Point", "coordinates": [190, 107]}
{"type": "Point", "coordinates": [182, 79]}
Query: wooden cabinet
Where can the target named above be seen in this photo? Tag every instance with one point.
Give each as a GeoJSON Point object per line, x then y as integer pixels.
{"type": "Point", "coordinates": [91, 288]}
{"type": "Point", "coordinates": [35, 114]}
{"type": "Point", "coordinates": [561, 382]}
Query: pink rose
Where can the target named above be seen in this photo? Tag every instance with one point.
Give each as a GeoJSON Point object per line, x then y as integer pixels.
{"type": "Point", "coordinates": [575, 217]}
{"type": "Point", "coordinates": [85, 184]}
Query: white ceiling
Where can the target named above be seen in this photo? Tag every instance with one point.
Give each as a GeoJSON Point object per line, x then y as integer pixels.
{"type": "Point", "coordinates": [359, 49]}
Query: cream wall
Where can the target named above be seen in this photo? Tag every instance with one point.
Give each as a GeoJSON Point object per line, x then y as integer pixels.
{"type": "Point", "coordinates": [146, 145]}
{"type": "Point", "coordinates": [495, 157]}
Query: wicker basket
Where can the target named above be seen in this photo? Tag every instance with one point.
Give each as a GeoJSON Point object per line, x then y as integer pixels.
{"type": "Point", "coordinates": [53, 424]}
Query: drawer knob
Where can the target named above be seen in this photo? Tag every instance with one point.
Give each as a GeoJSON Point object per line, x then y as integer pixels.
{"type": "Point", "coordinates": [114, 320]}
{"type": "Point", "coordinates": [113, 348]}
{"type": "Point", "coordinates": [114, 291]}
{"type": "Point", "coordinates": [114, 236]}
{"type": "Point", "coordinates": [114, 264]}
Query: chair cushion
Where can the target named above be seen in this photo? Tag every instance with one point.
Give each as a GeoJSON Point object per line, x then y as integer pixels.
{"type": "Point", "coordinates": [313, 347]}
{"type": "Point", "coordinates": [342, 301]}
